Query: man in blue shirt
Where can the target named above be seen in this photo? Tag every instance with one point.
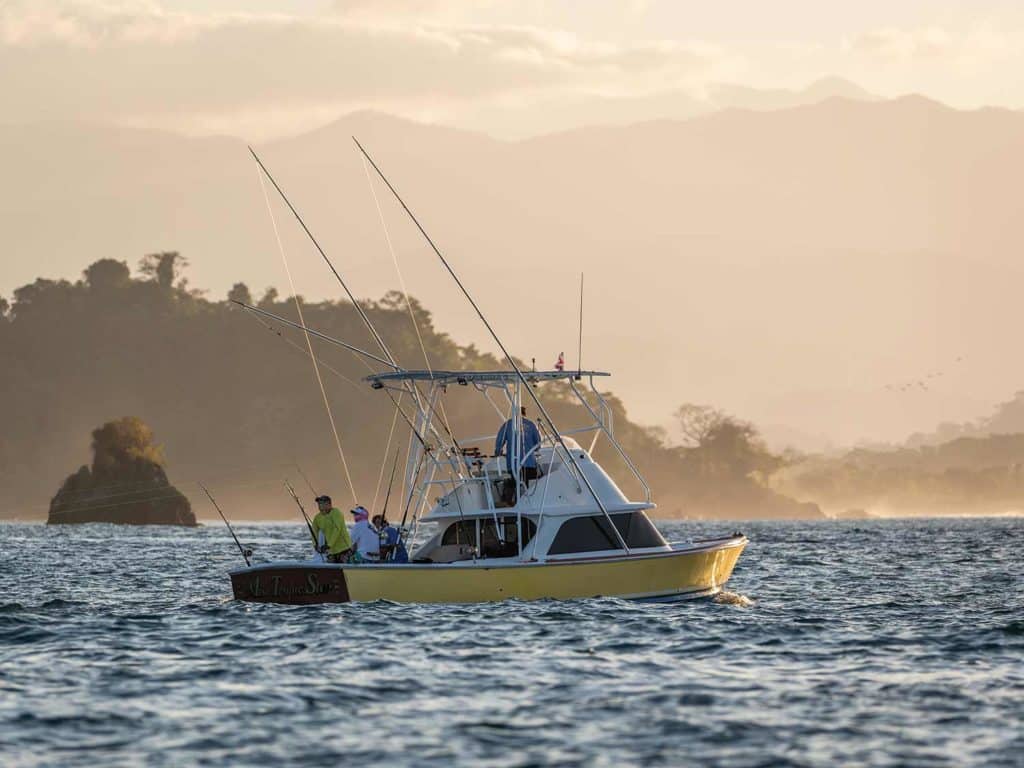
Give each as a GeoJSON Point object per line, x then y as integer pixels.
{"type": "Point", "coordinates": [529, 442]}
{"type": "Point", "coordinates": [392, 550]}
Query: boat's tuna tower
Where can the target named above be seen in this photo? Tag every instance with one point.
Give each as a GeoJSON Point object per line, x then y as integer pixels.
{"type": "Point", "coordinates": [570, 482]}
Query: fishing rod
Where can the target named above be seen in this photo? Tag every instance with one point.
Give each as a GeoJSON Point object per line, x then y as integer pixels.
{"type": "Point", "coordinates": [391, 482]}
{"type": "Point", "coordinates": [387, 496]}
{"type": "Point", "coordinates": [246, 553]}
{"type": "Point", "coordinates": [302, 509]}
{"type": "Point", "coordinates": [306, 479]}
{"type": "Point", "coordinates": [412, 490]}
{"type": "Point", "coordinates": [504, 350]}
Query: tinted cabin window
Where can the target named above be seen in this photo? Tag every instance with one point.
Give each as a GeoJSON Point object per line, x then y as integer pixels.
{"type": "Point", "coordinates": [592, 534]}
{"type": "Point", "coordinates": [637, 530]}
{"type": "Point", "coordinates": [462, 532]}
{"type": "Point", "coordinates": [493, 546]}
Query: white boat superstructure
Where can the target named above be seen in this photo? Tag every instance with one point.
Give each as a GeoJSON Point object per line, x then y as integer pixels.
{"type": "Point", "coordinates": [462, 489]}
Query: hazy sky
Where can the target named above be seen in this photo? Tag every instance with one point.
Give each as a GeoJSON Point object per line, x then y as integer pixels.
{"type": "Point", "coordinates": [262, 68]}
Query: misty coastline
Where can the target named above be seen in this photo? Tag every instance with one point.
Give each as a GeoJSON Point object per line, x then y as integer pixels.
{"type": "Point", "coordinates": [234, 408]}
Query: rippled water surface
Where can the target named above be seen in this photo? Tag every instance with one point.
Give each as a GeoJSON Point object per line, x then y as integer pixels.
{"type": "Point", "coordinates": [874, 643]}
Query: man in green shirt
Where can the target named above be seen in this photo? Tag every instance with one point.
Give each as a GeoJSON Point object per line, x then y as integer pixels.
{"type": "Point", "coordinates": [331, 533]}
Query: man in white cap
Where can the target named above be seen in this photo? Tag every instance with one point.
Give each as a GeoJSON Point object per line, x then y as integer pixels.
{"type": "Point", "coordinates": [365, 538]}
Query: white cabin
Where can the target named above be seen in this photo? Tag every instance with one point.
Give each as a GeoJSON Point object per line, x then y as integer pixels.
{"type": "Point", "coordinates": [571, 510]}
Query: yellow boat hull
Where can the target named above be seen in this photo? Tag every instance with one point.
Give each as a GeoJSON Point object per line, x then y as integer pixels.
{"type": "Point", "coordinates": [678, 574]}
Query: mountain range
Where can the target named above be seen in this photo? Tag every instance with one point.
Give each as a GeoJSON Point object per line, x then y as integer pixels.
{"type": "Point", "coordinates": [787, 264]}
{"type": "Point", "coordinates": [587, 109]}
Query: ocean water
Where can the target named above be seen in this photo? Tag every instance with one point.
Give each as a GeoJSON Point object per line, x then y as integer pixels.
{"type": "Point", "coordinates": [853, 643]}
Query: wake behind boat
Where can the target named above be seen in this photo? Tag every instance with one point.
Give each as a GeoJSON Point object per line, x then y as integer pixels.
{"type": "Point", "coordinates": [537, 518]}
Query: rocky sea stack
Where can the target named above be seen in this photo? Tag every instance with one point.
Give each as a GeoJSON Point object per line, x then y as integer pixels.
{"type": "Point", "coordinates": [126, 483]}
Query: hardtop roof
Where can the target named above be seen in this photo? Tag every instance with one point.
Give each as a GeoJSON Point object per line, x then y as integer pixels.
{"type": "Point", "coordinates": [465, 377]}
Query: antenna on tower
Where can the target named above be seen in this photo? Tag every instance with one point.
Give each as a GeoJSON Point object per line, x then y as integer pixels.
{"type": "Point", "coordinates": [579, 349]}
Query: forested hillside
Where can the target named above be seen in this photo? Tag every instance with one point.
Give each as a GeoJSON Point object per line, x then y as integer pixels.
{"type": "Point", "coordinates": [237, 406]}
{"type": "Point", "coordinates": [981, 474]}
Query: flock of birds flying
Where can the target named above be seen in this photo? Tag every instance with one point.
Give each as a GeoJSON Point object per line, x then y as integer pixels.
{"type": "Point", "coordinates": [919, 385]}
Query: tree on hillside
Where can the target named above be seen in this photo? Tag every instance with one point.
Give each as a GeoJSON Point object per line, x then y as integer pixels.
{"type": "Point", "coordinates": [163, 267]}
{"type": "Point", "coordinates": [43, 296]}
{"type": "Point", "coordinates": [734, 449]}
{"type": "Point", "coordinates": [696, 422]}
{"type": "Point", "coordinates": [269, 298]}
{"type": "Point", "coordinates": [107, 274]}
{"type": "Point", "coordinates": [723, 445]}
{"type": "Point", "coordinates": [240, 292]}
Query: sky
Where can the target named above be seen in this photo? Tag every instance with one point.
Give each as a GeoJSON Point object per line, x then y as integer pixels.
{"type": "Point", "coordinates": [267, 69]}
{"type": "Point", "coordinates": [262, 69]}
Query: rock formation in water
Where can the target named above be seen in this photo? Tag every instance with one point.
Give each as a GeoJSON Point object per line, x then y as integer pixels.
{"type": "Point", "coordinates": [126, 483]}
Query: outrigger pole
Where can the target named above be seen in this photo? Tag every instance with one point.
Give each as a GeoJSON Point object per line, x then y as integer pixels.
{"type": "Point", "coordinates": [338, 342]}
{"type": "Point", "coordinates": [391, 362]}
{"type": "Point", "coordinates": [245, 552]}
{"type": "Point", "coordinates": [398, 406]}
{"type": "Point", "coordinates": [362, 313]}
{"type": "Point", "coordinates": [319, 335]}
{"type": "Point", "coordinates": [330, 339]}
{"type": "Point", "coordinates": [501, 345]}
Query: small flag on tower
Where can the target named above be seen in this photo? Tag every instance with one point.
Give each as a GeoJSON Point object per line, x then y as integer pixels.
{"type": "Point", "coordinates": [560, 365]}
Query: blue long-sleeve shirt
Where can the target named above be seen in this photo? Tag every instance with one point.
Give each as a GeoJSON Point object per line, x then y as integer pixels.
{"type": "Point", "coordinates": [528, 440]}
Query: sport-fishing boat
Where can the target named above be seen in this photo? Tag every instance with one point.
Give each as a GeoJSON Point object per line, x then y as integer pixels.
{"type": "Point", "coordinates": [543, 520]}
{"type": "Point", "coordinates": [568, 533]}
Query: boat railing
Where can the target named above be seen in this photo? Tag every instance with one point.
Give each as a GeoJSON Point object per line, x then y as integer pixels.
{"type": "Point", "coordinates": [605, 426]}
{"type": "Point", "coordinates": [556, 450]}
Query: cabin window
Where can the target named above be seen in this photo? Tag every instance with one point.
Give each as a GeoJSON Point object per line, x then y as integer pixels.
{"type": "Point", "coordinates": [462, 532]}
{"type": "Point", "coordinates": [593, 534]}
{"type": "Point", "coordinates": [638, 531]}
{"type": "Point", "coordinates": [507, 545]}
